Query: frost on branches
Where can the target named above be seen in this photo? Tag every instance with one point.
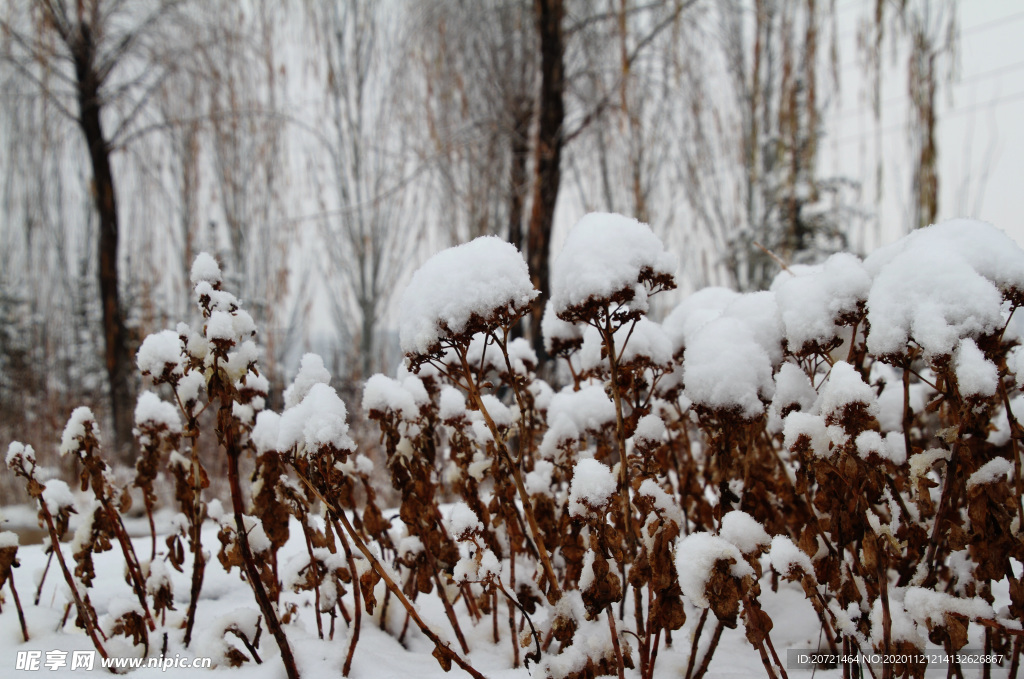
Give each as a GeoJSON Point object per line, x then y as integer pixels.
{"type": "Point", "coordinates": [846, 439]}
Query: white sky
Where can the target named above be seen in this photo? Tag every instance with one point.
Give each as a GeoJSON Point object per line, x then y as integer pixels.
{"type": "Point", "coordinates": [980, 136]}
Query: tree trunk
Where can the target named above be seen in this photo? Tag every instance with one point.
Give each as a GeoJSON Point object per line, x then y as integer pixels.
{"type": "Point", "coordinates": [547, 169]}
{"type": "Point", "coordinates": [117, 359]}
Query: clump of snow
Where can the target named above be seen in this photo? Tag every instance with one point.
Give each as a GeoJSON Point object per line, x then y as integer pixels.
{"type": "Point", "coordinates": [890, 447]}
{"type": "Point", "coordinates": [921, 463]}
{"type": "Point", "coordinates": [451, 406]}
{"type": "Point", "coordinates": [75, 430]}
{"type": "Point", "coordinates": [320, 420]}
{"type": "Point", "coordinates": [606, 255]}
{"type": "Point", "coordinates": [902, 627]}
{"type": "Point", "coordinates": [742, 530]}
{"type": "Point", "coordinates": [726, 369]}
{"type": "Point", "coordinates": [760, 313]}
{"type": "Point", "coordinates": [559, 336]}
{"type": "Point", "coordinates": [995, 470]}
{"type": "Point", "coordinates": [501, 414]}
{"type": "Point", "coordinates": [1000, 435]}
{"type": "Point", "coordinates": [311, 371]}
{"type": "Point", "coordinates": [571, 414]}
{"type": "Point", "coordinates": [663, 504]}
{"type": "Point", "coordinates": [153, 411]}
{"type": "Point", "coordinates": [538, 481]}
{"type": "Point", "coordinates": [928, 607]}
{"type": "Point", "coordinates": [158, 351]}
{"type": "Point", "coordinates": [464, 284]}
{"type": "Point", "coordinates": [975, 375]}
{"type": "Point", "coordinates": [57, 495]}
{"type": "Point", "coordinates": [696, 556]}
{"type": "Point", "coordinates": [17, 450]}
{"type": "Point", "coordinates": [205, 269]}
{"type": "Point", "coordinates": [793, 392]}
{"type": "Point", "coordinates": [811, 426]}
{"type": "Point", "coordinates": [940, 284]}
{"type": "Point", "coordinates": [650, 430]}
{"type": "Point", "coordinates": [1015, 362]}
{"type": "Point", "coordinates": [383, 393]}
{"type": "Point", "coordinates": [592, 487]}
{"type": "Point", "coordinates": [462, 521]}
{"type": "Point", "coordinates": [845, 387]}
{"type": "Point", "coordinates": [694, 312]}
{"type": "Point", "coordinates": [814, 300]}
{"type": "Point", "coordinates": [787, 559]}
{"type": "Point", "coordinates": [648, 341]}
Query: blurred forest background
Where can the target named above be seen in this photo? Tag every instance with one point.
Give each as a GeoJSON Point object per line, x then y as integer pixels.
{"type": "Point", "coordinates": [322, 149]}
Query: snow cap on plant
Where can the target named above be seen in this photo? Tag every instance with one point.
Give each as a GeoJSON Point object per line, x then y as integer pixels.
{"type": "Point", "coordinates": [155, 414]}
{"type": "Point", "coordinates": [80, 432]}
{"type": "Point", "coordinates": [608, 258]}
{"type": "Point", "coordinates": [697, 557]}
{"type": "Point", "coordinates": [593, 485]}
{"type": "Point", "coordinates": [470, 288]}
{"type": "Point", "coordinates": [941, 284]}
{"type": "Point", "coordinates": [162, 357]}
{"type": "Point", "coordinates": [816, 301]}
{"type": "Point", "coordinates": [317, 423]}
{"type": "Point", "coordinates": [311, 371]}
{"type": "Point", "coordinates": [726, 370]}
{"type": "Point", "coordinates": [693, 313]}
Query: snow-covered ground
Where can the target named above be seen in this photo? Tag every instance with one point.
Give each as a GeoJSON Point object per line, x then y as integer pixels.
{"type": "Point", "coordinates": [378, 654]}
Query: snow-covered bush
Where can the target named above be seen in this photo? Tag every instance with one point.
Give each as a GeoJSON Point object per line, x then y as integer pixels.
{"type": "Point", "coordinates": [849, 436]}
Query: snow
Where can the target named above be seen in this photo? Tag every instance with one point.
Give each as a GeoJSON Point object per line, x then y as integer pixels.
{"type": "Point", "coordinates": [574, 413]}
{"type": "Point", "coordinates": [58, 495]}
{"type": "Point", "coordinates": [813, 427]}
{"type": "Point", "coordinates": [993, 471]}
{"type": "Point", "coordinates": [205, 269]}
{"type": "Point", "coordinates": [938, 285]}
{"type": "Point", "coordinates": [648, 343]}
{"type": "Point", "coordinates": [742, 530]}
{"type": "Point", "coordinates": [813, 300]}
{"type": "Point", "coordinates": [696, 556]}
{"type": "Point", "coordinates": [592, 487]}
{"type": "Point", "coordinates": [538, 481]}
{"type": "Point", "coordinates": [319, 420]}
{"type": "Point", "coordinates": [463, 284]}
{"type": "Point", "coordinates": [926, 606]}
{"type": "Point", "coordinates": [16, 450]}
{"type": "Point", "coordinates": [787, 559]}
{"type": "Point", "coordinates": [462, 521]}
{"type": "Point", "coordinates": [501, 414]}
{"type": "Point", "coordinates": [382, 394]}
{"type": "Point", "coordinates": [759, 311]}
{"type": "Point", "coordinates": [311, 371]}
{"type": "Point", "coordinates": [152, 410]}
{"type": "Point", "coordinates": [451, 404]}
{"type": "Point", "coordinates": [793, 392]}
{"type": "Point", "coordinates": [75, 430]}
{"type": "Point", "coordinates": [221, 326]}
{"type": "Point", "coordinates": [8, 539]}
{"type": "Point", "coordinates": [650, 429]}
{"type": "Point", "coordinates": [975, 375]}
{"type": "Point", "coordinates": [694, 312]}
{"type": "Point", "coordinates": [558, 334]}
{"type": "Point", "coordinates": [604, 255]}
{"type": "Point", "coordinates": [1015, 361]}
{"type": "Point", "coordinates": [845, 387]}
{"type": "Point", "coordinates": [159, 350]}
{"type": "Point", "coordinates": [726, 369]}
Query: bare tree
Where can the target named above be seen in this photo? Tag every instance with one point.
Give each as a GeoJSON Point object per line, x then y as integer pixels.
{"type": "Point", "coordinates": [96, 62]}
{"type": "Point", "coordinates": [368, 233]}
